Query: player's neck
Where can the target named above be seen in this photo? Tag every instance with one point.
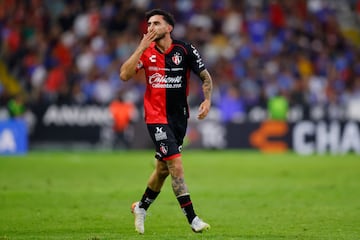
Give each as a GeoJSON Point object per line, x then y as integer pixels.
{"type": "Point", "coordinates": [164, 44]}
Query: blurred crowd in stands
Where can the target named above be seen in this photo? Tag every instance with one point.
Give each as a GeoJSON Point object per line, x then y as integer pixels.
{"type": "Point", "coordinates": [69, 52]}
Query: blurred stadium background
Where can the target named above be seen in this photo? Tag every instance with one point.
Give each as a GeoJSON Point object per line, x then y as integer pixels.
{"type": "Point", "coordinates": [286, 74]}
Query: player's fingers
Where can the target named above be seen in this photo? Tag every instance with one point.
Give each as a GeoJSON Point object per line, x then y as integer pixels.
{"type": "Point", "coordinates": [149, 35]}
{"type": "Point", "coordinates": [202, 113]}
{"type": "Point", "coordinates": [152, 34]}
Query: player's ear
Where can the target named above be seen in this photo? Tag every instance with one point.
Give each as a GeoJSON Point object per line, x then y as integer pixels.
{"type": "Point", "coordinates": [170, 28]}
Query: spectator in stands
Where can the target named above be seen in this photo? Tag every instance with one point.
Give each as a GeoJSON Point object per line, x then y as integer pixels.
{"type": "Point", "coordinates": [232, 107]}
{"type": "Point", "coordinates": [241, 40]}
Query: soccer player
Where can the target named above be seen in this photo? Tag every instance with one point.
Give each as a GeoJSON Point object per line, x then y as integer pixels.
{"type": "Point", "coordinates": [167, 64]}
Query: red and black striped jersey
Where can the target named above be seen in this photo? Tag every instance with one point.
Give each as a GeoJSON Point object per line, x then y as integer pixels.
{"type": "Point", "coordinates": [167, 75]}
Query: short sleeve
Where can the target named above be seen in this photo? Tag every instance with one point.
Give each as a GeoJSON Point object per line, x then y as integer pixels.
{"type": "Point", "coordinates": [195, 60]}
{"type": "Point", "coordinates": [140, 64]}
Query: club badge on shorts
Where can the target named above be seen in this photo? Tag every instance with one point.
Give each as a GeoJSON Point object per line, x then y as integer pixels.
{"type": "Point", "coordinates": [163, 148]}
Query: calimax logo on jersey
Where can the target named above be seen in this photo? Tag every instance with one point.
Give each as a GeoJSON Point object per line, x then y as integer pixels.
{"type": "Point", "coordinates": [160, 81]}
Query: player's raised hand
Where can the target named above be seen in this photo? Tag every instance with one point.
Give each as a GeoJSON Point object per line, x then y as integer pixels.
{"type": "Point", "coordinates": [147, 39]}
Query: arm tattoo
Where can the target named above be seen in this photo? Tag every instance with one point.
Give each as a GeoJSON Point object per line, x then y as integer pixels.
{"type": "Point", "coordinates": [179, 186]}
{"type": "Point", "coordinates": [207, 84]}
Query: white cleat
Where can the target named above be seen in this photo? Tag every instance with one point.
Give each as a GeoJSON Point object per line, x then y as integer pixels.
{"type": "Point", "coordinates": [198, 225]}
{"type": "Point", "coordinates": [139, 214]}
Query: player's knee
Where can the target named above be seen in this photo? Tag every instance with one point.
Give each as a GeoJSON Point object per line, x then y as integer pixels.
{"type": "Point", "coordinates": [162, 170]}
{"type": "Point", "coordinates": [176, 170]}
{"type": "Point", "coordinates": [163, 173]}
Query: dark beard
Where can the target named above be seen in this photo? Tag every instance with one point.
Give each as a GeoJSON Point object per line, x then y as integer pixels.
{"type": "Point", "coordinates": [160, 37]}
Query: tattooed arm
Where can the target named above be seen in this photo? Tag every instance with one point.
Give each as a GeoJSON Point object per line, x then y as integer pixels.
{"type": "Point", "coordinates": [207, 90]}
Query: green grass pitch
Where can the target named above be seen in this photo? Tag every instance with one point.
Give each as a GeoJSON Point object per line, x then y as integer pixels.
{"type": "Point", "coordinates": [243, 195]}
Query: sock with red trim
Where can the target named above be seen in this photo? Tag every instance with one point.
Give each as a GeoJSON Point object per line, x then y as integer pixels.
{"type": "Point", "coordinates": [187, 207]}
{"type": "Point", "coordinates": [148, 198]}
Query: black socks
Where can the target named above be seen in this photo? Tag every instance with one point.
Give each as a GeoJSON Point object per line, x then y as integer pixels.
{"type": "Point", "coordinates": [187, 207]}
{"type": "Point", "coordinates": [185, 203]}
{"type": "Point", "coordinates": [148, 197]}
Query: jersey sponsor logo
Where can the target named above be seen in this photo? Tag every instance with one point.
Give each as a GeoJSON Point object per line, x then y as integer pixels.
{"type": "Point", "coordinates": [199, 60]}
{"type": "Point", "coordinates": [200, 63]}
{"type": "Point", "coordinates": [177, 58]}
{"type": "Point", "coordinates": [160, 134]}
{"type": "Point", "coordinates": [140, 64]}
{"type": "Point", "coordinates": [153, 68]}
{"type": "Point", "coordinates": [152, 58]}
{"type": "Point", "coordinates": [160, 81]}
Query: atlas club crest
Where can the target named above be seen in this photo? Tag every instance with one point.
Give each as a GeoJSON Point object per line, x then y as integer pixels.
{"type": "Point", "coordinates": [177, 58]}
{"type": "Point", "coordinates": [163, 148]}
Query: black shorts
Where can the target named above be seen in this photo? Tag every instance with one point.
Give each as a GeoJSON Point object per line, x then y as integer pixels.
{"type": "Point", "coordinates": [168, 139]}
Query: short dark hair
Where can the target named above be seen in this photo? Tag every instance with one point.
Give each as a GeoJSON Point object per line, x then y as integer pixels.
{"type": "Point", "coordinates": [168, 17]}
